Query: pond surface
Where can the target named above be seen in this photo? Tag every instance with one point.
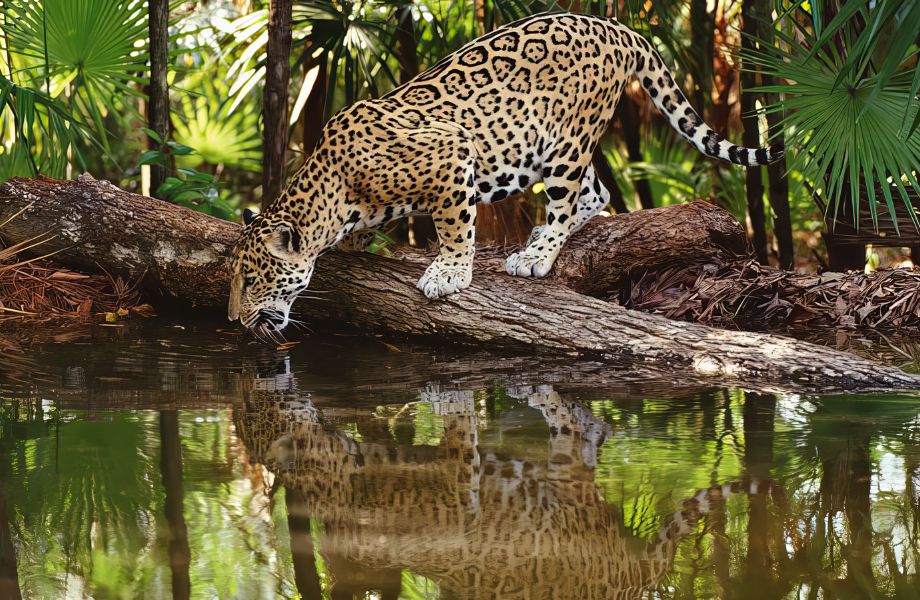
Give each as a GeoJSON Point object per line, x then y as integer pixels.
{"type": "Point", "coordinates": [169, 460]}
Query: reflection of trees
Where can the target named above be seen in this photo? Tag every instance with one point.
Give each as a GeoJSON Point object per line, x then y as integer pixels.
{"type": "Point", "coordinates": [177, 533]}
{"type": "Point", "coordinates": [302, 553]}
{"type": "Point", "coordinates": [9, 575]}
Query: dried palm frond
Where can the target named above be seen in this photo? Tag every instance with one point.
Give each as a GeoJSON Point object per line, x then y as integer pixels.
{"type": "Point", "coordinates": [746, 295]}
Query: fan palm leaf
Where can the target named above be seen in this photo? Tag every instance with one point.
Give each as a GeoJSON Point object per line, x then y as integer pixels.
{"type": "Point", "coordinates": [848, 93]}
{"type": "Point", "coordinates": [94, 48]}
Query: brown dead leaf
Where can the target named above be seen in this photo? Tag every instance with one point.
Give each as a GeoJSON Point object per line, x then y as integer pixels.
{"type": "Point", "coordinates": [144, 310]}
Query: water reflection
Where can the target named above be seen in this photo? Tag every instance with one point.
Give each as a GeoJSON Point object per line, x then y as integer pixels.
{"type": "Point", "coordinates": [163, 467]}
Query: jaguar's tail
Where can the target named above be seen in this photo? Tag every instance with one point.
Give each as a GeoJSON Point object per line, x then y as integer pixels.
{"type": "Point", "coordinates": [658, 83]}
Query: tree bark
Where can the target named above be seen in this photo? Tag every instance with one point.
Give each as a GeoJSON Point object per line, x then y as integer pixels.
{"type": "Point", "coordinates": [629, 123]}
{"type": "Point", "coordinates": [182, 254]}
{"type": "Point", "coordinates": [314, 110]}
{"type": "Point", "coordinates": [406, 44]}
{"type": "Point", "coordinates": [702, 30]}
{"type": "Point", "coordinates": [274, 100]}
{"type": "Point", "coordinates": [779, 188]}
{"type": "Point", "coordinates": [158, 88]}
{"type": "Point", "coordinates": [605, 175]}
{"type": "Point", "coordinates": [751, 136]}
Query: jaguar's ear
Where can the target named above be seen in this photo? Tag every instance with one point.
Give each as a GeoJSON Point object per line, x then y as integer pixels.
{"type": "Point", "coordinates": [284, 241]}
{"type": "Point", "coordinates": [248, 216]}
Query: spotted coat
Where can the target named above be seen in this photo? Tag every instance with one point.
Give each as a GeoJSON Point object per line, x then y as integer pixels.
{"type": "Point", "coordinates": [526, 103]}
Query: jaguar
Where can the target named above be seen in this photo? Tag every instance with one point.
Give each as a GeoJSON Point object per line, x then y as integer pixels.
{"type": "Point", "coordinates": [524, 104]}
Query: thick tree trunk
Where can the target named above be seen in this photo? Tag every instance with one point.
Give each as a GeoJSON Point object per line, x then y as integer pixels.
{"type": "Point", "coordinates": [702, 33]}
{"type": "Point", "coordinates": [182, 253]}
{"type": "Point", "coordinates": [158, 88]}
{"type": "Point", "coordinates": [628, 116]}
{"type": "Point", "coordinates": [314, 110]}
{"type": "Point", "coordinates": [751, 137]}
{"type": "Point", "coordinates": [406, 44]}
{"type": "Point", "coordinates": [274, 100]}
{"type": "Point", "coordinates": [605, 175]}
{"type": "Point", "coordinates": [779, 187]}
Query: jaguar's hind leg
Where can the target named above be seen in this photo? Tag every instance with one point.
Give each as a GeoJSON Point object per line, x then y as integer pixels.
{"type": "Point", "coordinates": [594, 198]}
{"type": "Point", "coordinates": [566, 213]}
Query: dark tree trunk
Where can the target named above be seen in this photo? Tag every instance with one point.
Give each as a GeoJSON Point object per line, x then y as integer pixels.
{"type": "Point", "coordinates": [182, 253]}
{"type": "Point", "coordinates": [158, 88]}
{"type": "Point", "coordinates": [171, 467]}
{"type": "Point", "coordinates": [275, 100]}
{"type": "Point", "coordinates": [314, 110]}
{"type": "Point", "coordinates": [779, 190]}
{"type": "Point", "coordinates": [605, 175]}
{"type": "Point", "coordinates": [629, 123]}
{"type": "Point", "coordinates": [406, 44]}
{"type": "Point", "coordinates": [751, 137]}
{"type": "Point", "coordinates": [702, 31]}
{"type": "Point", "coordinates": [844, 257]}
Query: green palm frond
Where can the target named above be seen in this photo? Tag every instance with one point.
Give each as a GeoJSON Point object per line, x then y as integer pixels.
{"type": "Point", "coordinates": [96, 49]}
{"type": "Point", "coordinates": [38, 132]}
{"type": "Point", "coordinates": [848, 90]}
{"type": "Point", "coordinates": [204, 122]}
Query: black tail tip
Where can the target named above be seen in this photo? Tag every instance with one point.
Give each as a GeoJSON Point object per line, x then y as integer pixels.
{"type": "Point", "coordinates": [776, 152]}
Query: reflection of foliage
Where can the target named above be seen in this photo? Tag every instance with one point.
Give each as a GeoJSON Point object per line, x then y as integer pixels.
{"type": "Point", "coordinates": [86, 503]}
{"type": "Point", "coordinates": [75, 510]}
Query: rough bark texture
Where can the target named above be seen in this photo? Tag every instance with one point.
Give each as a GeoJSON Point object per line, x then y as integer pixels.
{"type": "Point", "coordinates": [274, 100]}
{"type": "Point", "coordinates": [607, 250]}
{"type": "Point", "coordinates": [751, 137]}
{"type": "Point", "coordinates": [183, 253]}
{"type": "Point", "coordinates": [605, 174]}
{"type": "Point", "coordinates": [628, 115]}
{"type": "Point", "coordinates": [158, 88]}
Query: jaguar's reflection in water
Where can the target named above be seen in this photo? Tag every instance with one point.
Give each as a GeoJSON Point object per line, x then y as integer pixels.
{"type": "Point", "coordinates": [480, 524]}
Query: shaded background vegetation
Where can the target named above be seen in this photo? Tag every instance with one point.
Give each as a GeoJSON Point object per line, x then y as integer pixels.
{"type": "Point", "coordinates": [117, 87]}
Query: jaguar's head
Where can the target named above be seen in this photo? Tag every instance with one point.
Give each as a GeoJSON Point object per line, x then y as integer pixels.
{"type": "Point", "coordinates": [270, 265]}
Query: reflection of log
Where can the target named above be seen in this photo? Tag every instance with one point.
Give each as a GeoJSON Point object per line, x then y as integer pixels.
{"type": "Point", "coordinates": [181, 253]}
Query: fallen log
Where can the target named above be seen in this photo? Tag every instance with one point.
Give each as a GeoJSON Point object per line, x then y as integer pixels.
{"type": "Point", "coordinates": [182, 254]}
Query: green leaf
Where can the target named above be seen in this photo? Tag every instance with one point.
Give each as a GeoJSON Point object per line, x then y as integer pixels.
{"type": "Point", "coordinates": [153, 134]}
{"type": "Point", "coordinates": [153, 157]}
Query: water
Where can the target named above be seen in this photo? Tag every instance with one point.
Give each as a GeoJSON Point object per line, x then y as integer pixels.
{"type": "Point", "coordinates": [156, 461]}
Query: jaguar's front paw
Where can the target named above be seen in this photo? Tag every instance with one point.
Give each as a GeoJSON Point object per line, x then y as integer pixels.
{"type": "Point", "coordinates": [441, 279]}
{"type": "Point", "coordinates": [529, 263]}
